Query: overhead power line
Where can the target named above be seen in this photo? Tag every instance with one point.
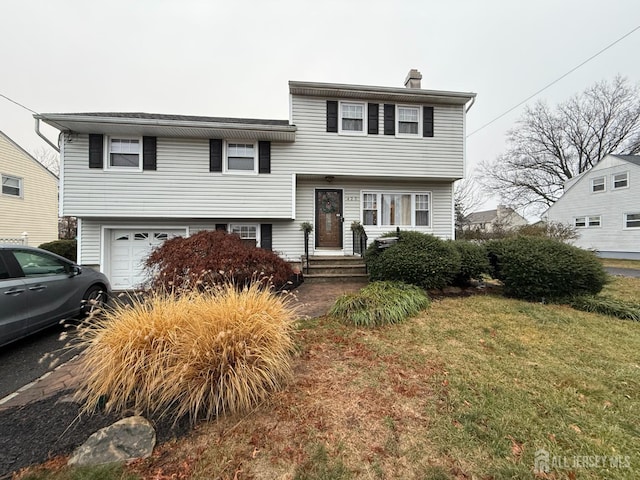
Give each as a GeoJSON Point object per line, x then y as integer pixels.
{"type": "Point", "coordinates": [18, 103]}
{"type": "Point", "coordinates": [554, 82]}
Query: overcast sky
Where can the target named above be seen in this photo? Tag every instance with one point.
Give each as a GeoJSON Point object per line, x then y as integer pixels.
{"type": "Point", "coordinates": [234, 58]}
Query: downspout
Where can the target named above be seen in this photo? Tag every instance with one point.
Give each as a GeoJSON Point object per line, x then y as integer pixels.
{"type": "Point", "coordinates": [41, 135]}
{"type": "Point", "coordinates": [473, 100]}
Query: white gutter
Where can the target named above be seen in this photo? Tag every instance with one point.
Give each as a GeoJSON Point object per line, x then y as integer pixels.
{"type": "Point", "coordinates": [41, 135]}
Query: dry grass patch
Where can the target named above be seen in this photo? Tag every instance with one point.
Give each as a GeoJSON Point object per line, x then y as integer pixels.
{"type": "Point", "coordinates": [623, 288]}
{"type": "Point", "coordinates": [199, 354]}
{"type": "Point", "coordinates": [621, 263]}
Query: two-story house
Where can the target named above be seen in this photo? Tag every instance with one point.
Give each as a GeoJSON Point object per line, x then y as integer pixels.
{"type": "Point", "coordinates": [385, 157]}
{"type": "Point", "coordinates": [603, 204]}
{"type": "Point", "coordinates": [29, 197]}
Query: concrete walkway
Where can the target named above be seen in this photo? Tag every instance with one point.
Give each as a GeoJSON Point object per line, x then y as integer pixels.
{"type": "Point", "coordinates": [625, 272]}
{"type": "Point", "coordinates": [310, 299]}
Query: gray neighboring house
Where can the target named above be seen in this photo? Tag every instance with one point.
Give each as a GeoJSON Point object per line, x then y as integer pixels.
{"type": "Point", "coordinates": [383, 156]}
{"type": "Point", "coordinates": [489, 221]}
{"type": "Point", "coordinates": [603, 204]}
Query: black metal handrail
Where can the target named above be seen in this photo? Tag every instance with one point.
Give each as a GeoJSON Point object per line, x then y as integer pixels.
{"type": "Point", "coordinates": [306, 250]}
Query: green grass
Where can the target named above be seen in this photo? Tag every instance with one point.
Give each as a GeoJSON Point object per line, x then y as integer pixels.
{"type": "Point", "coordinates": [380, 303]}
{"type": "Point", "coordinates": [621, 263]}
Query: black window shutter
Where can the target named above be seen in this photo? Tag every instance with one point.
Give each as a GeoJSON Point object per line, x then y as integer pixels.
{"type": "Point", "coordinates": [389, 119]}
{"type": "Point", "coordinates": [264, 157]}
{"type": "Point", "coordinates": [149, 153]}
{"type": "Point", "coordinates": [96, 150]}
{"type": "Point", "coordinates": [266, 236]}
{"type": "Point", "coordinates": [221, 226]}
{"type": "Point", "coordinates": [332, 116]}
{"type": "Point", "coordinates": [427, 122]}
{"type": "Point", "coordinates": [373, 110]}
{"type": "Point", "coordinates": [215, 155]}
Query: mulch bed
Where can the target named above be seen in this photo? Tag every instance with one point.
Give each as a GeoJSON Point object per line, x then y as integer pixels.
{"type": "Point", "coordinates": [39, 431]}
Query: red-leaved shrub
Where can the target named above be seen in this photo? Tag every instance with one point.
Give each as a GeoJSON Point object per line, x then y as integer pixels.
{"type": "Point", "coordinates": [214, 257]}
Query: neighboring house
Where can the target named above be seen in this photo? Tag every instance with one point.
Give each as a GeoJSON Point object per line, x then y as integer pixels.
{"type": "Point", "coordinates": [603, 204]}
{"type": "Point", "coordinates": [386, 157]}
{"type": "Point", "coordinates": [29, 198]}
{"type": "Point", "coordinates": [502, 218]}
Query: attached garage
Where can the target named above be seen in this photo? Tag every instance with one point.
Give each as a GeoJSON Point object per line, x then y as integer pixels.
{"type": "Point", "coordinates": [127, 250]}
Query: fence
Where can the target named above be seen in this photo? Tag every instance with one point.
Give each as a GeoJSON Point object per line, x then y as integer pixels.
{"type": "Point", "coordinates": [22, 240]}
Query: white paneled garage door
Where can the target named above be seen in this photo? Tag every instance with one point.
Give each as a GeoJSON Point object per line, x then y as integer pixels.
{"type": "Point", "coordinates": [128, 252]}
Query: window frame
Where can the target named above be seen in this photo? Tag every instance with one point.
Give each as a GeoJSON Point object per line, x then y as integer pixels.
{"type": "Point", "coordinates": [225, 157]}
{"type": "Point", "coordinates": [625, 224]}
{"type": "Point", "coordinates": [364, 130]}
{"type": "Point", "coordinates": [20, 186]}
{"type": "Point", "coordinates": [604, 184]}
{"type": "Point", "coordinates": [418, 134]}
{"type": "Point", "coordinates": [378, 210]}
{"type": "Point", "coordinates": [245, 224]}
{"type": "Point", "coordinates": [107, 156]}
{"type": "Point", "coordinates": [613, 181]}
{"type": "Point", "coordinates": [587, 221]}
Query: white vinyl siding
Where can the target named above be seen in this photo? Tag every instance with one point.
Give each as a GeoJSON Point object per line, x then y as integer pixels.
{"type": "Point", "coordinates": [611, 206]}
{"type": "Point", "coordinates": [317, 152]}
{"type": "Point", "coordinates": [181, 187]}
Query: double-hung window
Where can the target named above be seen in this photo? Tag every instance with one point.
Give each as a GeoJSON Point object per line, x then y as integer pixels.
{"type": "Point", "coordinates": [241, 157]}
{"type": "Point", "coordinates": [248, 233]}
{"type": "Point", "coordinates": [598, 184]}
{"type": "Point", "coordinates": [11, 186]}
{"type": "Point", "coordinates": [589, 221]}
{"type": "Point", "coordinates": [352, 118]}
{"type": "Point", "coordinates": [396, 209]}
{"type": "Point", "coordinates": [408, 121]}
{"type": "Point", "coordinates": [124, 153]}
{"type": "Point", "coordinates": [632, 220]}
{"type": "Point", "coordinates": [620, 180]}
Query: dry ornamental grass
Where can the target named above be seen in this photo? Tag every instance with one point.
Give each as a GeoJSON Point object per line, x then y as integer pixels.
{"type": "Point", "coordinates": [198, 354]}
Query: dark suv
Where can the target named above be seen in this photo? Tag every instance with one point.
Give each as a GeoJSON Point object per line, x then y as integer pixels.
{"type": "Point", "coordinates": [39, 288]}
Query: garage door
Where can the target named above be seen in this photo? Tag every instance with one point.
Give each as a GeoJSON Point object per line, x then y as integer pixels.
{"type": "Point", "coordinates": [128, 252]}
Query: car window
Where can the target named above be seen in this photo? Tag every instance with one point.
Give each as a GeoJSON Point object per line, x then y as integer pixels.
{"type": "Point", "coordinates": [4, 271]}
{"type": "Point", "coordinates": [36, 264]}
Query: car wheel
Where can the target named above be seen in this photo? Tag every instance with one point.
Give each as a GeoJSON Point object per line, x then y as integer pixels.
{"type": "Point", "coordinates": [95, 298]}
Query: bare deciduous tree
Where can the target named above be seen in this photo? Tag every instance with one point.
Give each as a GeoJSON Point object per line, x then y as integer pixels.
{"type": "Point", "coordinates": [467, 198]}
{"type": "Point", "coordinates": [48, 158]}
{"type": "Point", "coordinates": [550, 146]}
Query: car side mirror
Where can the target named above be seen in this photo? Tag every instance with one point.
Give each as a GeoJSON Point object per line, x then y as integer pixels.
{"type": "Point", "coordinates": [75, 270]}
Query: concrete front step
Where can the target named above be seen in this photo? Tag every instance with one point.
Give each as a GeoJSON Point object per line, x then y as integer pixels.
{"type": "Point", "coordinates": [331, 268]}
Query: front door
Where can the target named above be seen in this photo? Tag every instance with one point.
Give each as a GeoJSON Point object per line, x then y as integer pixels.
{"type": "Point", "coordinates": [329, 218]}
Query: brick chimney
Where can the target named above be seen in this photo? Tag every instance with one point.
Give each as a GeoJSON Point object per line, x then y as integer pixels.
{"type": "Point", "coordinates": [413, 79]}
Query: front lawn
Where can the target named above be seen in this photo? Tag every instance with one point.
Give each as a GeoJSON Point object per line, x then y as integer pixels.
{"type": "Point", "coordinates": [469, 388]}
{"type": "Point", "coordinates": [621, 263]}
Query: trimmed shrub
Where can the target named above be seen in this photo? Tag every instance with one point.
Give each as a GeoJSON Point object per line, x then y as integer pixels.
{"type": "Point", "coordinates": [473, 262]}
{"type": "Point", "coordinates": [198, 354]}
{"type": "Point", "coordinates": [380, 303]}
{"type": "Point", "coordinates": [538, 269]}
{"type": "Point", "coordinates": [417, 258]}
{"type": "Point", "coordinates": [213, 257]}
{"type": "Point", "coordinates": [65, 248]}
{"type": "Point", "coordinates": [607, 306]}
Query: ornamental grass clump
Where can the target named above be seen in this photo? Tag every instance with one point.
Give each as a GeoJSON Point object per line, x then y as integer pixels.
{"type": "Point", "coordinates": [380, 303]}
{"type": "Point", "coordinates": [604, 305]}
{"type": "Point", "coordinates": [199, 354]}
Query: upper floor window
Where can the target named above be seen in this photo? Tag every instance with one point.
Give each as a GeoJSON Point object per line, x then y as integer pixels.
{"type": "Point", "coordinates": [598, 184]}
{"type": "Point", "coordinates": [587, 221]}
{"type": "Point", "coordinates": [124, 153]}
{"type": "Point", "coordinates": [396, 209]}
{"type": "Point", "coordinates": [11, 186]}
{"type": "Point", "coordinates": [620, 180]}
{"type": "Point", "coordinates": [241, 157]}
{"type": "Point", "coordinates": [352, 117]}
{"type": "Point", "coordinates": [408, 121]}
{"type": "Point", "coordinates": [632, 220]}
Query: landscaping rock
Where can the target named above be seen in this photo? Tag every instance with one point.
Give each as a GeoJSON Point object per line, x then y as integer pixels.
{"type": "Point", "coordinates": [129, 438]}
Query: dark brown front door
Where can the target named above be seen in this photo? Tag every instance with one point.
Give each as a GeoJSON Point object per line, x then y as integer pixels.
{"type": "Point", "coordinates": [329, 218]}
